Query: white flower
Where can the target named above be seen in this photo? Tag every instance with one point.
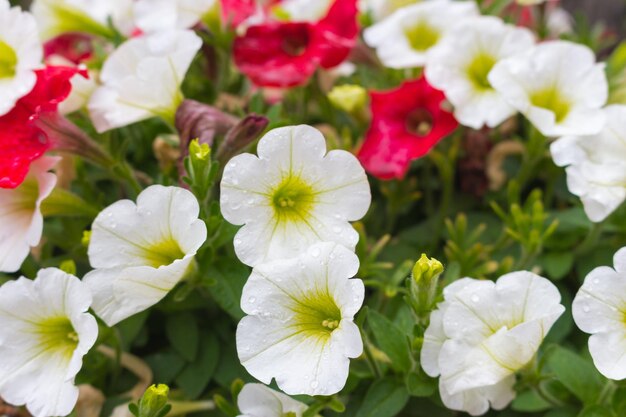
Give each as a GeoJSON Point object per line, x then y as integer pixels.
{"type": "Point", "coordinates": [257, 400]}
{"type": "Point", "coordinates": [82, 89]}
{"type": "Point", "coordinates": [158, 15]}
{"type": "Point", "coordinates": [460, 63]}
{"type": "Point", "coordinates": [305, 10]}
{"type": "Point", "coordinates": [142, 251]}
{"type": "Point", "coordinates": [483, 333]}
{"type": "Point", "coordinates": [56, 17]}
{"type": "Point", "coordinates": [21, 221]}
{"type": "Point", "coordinates": [557, 85]}
{"type": "Point", "coordinates": [596, 165]}
{"type": "Point", "coordinates": [45, 333]}
{"type": "Point", "coordinates": [599, 309]}
{"type": "Point", "coordinates": [299, 328]}
{"type": "Point", "coordinates": [292, 195]}
{"type": "Point", "coordinates": [403, 39]}
{"type": "Point", "coordinates": [142, 78]}
{"type": "Point", "coordinates": [20, 55]}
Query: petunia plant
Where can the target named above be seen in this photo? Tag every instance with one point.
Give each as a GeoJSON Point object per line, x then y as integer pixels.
{"type": "Point", "coordinates": [292, 208]}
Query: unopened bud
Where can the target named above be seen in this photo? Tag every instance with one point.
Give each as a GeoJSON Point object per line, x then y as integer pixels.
{"type": "Point", "coordinates": [349, 98]}
{"type": "Point", "coordinates": [199, 151]}
{"type": "Point", "coordinates": [68, 266]}
{"type": "Point", "coordinates": [426, 269]}
{"type": "Point", "coordinates": [154, 401]}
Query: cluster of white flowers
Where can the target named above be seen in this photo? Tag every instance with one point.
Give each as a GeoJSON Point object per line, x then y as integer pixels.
{"type": "Point", "coordinates": [295, 202]}
{"type": "Point", "coordinates": [490, 70]}
{"type": "Point", "coordinates": [483, 333]}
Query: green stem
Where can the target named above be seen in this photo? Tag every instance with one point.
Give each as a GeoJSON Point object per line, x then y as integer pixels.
{"type": "Point", "coordinates": [370, 357]}
{"type": "Point", "coordinates": [534, 154]}
{"type": "Point", "coordinates": [549, 398]}
{"type": "Point", "coordinates": [590, 240]}
{"type": "Point", "coordinates": [180, 408]}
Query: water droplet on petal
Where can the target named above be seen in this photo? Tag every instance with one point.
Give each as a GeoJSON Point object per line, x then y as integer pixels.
{"type": "Point", "coordinates": [586, 309]}
{"type": "Point", "coordinates": [314, 384]}
{"type": "Point", "coordinates": [315, 252]}
{"type": "Point", "coordinates": [251, 300]}
{"type": "Point", "coordinates": [474, 298]}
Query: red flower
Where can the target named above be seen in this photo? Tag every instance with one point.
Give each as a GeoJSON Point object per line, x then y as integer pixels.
{"type": "Point", "coordinates": [406, 123]}
{"type": "Point", "coordinates": [234, 12]}
{"type": "Point", "coordinates": [286, 54]}
{"type": "Point", "coordinates": [21, 141]}
{"type": "Point", "coordinates": [75, 47]}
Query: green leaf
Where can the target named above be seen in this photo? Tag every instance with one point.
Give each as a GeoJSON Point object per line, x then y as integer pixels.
{"type": "Point", "coordinates": [165, 366]}
{"type": "Point", "coordinates": [530, 401]}
{"type": "Point", "coordinates": [196, 376]}
{"type": "Point", "coordinates": [595, 411]}
{"type": "Point", "coordinates": [391, 340]}
{"type": "Point", "coordinates": [182, 332]}
{"type": "Point", "coordinates": [228, 279]}
{"type": "Point", "coordinates": [385, 398]}
{"type": "Point", "coordinates": [578, 375]}
{"type": "Point", "coordinates": [420, 384]}
{"type": "Point", "coordinates": [557, 264]}
{"type": "Point", "coordinates": [131, 327]}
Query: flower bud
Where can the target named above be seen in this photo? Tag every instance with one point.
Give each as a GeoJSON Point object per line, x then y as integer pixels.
{"type": "Point", "coordinates": [424, 285]}
{"type": "Point", "coordinates": [349, 98]}
{"type": "Point", "coordinates": [154, 401]}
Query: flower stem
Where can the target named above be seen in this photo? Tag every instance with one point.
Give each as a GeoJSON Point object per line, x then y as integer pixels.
{"type": "Point", "coordinates": [133, 364]}
{"type": "Point", "coordinates": [590, 240]}
{"type": "Point", "coordinates": [180, 408]}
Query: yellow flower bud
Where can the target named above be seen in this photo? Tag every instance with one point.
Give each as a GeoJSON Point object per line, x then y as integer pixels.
{"type": "Point", "coordinates": [426, 269]}
{"type": "Point", "coordinates": [348, 97]}
{"type": "Point", "coordinates": [199, 151]}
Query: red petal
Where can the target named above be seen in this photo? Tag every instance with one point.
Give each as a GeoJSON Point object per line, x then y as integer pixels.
{"type": "Point", "coordinates": [278, 54]}
{"type": "Point", "coordinates": [75, 47]}
{"type": "Point", "coordinates": [21, 142]}
{"type": "Point", "coordinates": [236, 11]}
{"type": "Point", "coordinates": [389, 146]}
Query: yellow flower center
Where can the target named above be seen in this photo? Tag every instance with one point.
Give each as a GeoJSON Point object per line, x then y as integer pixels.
{"type": "Point", "coordinates": [552, 99]}
{"type": "Point", "coordinates": [316, 314]}
{"type": "Point", "coordinates": [8, 61]}
{"type": "Point", "coordinates": [57, 334]}
{"type": "Point", "coordinates": [292, 199]}
{"type": "Point", "coordinates": [163, 253]}
{"type": "Point", "coordinates": [478, 70]}
{"type": "Point", "coordinates": [422, 36]}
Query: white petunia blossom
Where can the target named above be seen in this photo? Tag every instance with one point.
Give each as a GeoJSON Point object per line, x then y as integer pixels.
{"type": "Point", "coordinates": [21, 221]}
{"type": "Point", "coordinates": [304, 10]}
{"type": "Point", "coordinates": [20, 54]}
{"type": "Point", "coordinates": [158, 15]}
{"type": "Point", "coordinates": [257, 400]}
{"type": "Point", "coordinates": [483, 333]}
{"type": "Point", "coordinates": [557, 85]}
{"type": "Point", "coordinates": [141, 251]}
{"type": "Point", "coordinates": [292, 195]}
{"type": "Point", "coordinates": [596, 165]}
{"type": "Point", "coordinates": [56, 17]}
{"type": "Point", "coordinates": [460, 63]}
{"type": "Point", "coordinates": [599, 309]}
{"type": "Point", "coordinates": [403, 39]}
{"type": "Point", "coordinates": [299, 328]}
{"type": "Point", "coordinates": [142, 78]}
{"type": "Point", "coordinates": [45, 333]}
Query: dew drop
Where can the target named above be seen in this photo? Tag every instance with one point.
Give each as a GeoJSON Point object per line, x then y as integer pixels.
{"type": "Point", "coordinates": [475, 298]}
{"type": "Point", "coordinates": [337, 229]}
{"type": "Point", "coordinates": [596, 281]}
{"type": "Point", "coordinates": [586, 309]}
{"type": "Point", "coordinates": [251, 300]}
{"type": "Point", "coordinates": [314, 384]}
{"type": "Point", "coordinates": [315, 252]}
{"type": "Point", "coordinates": [237, 242]}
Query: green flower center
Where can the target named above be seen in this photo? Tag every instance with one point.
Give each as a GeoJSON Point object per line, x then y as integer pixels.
{"type": "Point", "coordinates": [8, 61]}
{"type": "Point", "coordinates": [551, 99]}
{"type": "Point", "coordinates": [316, 314]}
{"type": "Point", "coordinates": [162, 253]}
{"type": "Point", "coordinates": [478, 70]}
{"type": "Point", "coordinates": [422, 36]}
{"type": "Point", "coordinates": [289, 414]}
{"type": "Point", "coordinates": [57, 334]}
{"type": "Point", "coordinates": [292, 199]}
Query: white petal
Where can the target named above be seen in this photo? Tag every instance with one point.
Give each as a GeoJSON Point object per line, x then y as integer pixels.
{"type": "Point", "coordinates": [257, 400]}
{"type": "Point", "coordinates": [598, 304]}
{"type": "Point", "coordinates": [476, 401]}
{"type": "Point", "coordinates": [608, 350]}
{"type": "Point", "coordinates": [434, 337]}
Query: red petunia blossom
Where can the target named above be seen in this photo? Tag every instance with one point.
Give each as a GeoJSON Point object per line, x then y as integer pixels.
{"type": "Point", "coordinates": [286, 54]}
{"type": "Point", "coordinates": [75, 47]}
{"type": "Point", "coordinates": [234, 12]}
{"type": "Point", "coordinates": [406, 123]}
{"type": "Point", "coordinates": [21, 141]}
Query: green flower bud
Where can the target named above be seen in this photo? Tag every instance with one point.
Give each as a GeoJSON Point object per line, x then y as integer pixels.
{"type": "Point", "coordinates": [424, 286]}
{"type": "Point", "coordinates": [153, 403]}
{"type": "Point", "coordinates": [86, 238]}
{"type": "Point", "coordinates": [349, 98]}
{"type": "Point", "coordinates": [426, 269]}
{"type": "Point", "coordinates": [68, 266]}
{"type": "Point", "coordinates": [199, 151]}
